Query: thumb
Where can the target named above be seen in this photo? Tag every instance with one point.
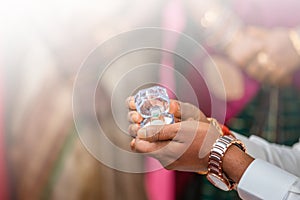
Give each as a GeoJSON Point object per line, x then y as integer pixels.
{"type": "Point", "coordinates": [156, 133]}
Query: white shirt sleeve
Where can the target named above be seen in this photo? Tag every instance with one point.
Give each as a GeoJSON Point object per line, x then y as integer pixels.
{"type": "Point", "coordinates": [263, 180]}
{"type": "Point", "coordinates": [286, 158]}
{"type": "Point", "coordinates": [278, 180]}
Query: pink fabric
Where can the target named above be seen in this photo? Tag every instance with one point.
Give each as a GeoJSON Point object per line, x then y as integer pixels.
{"type": "Point", "coordinates": [160, 185]}
{"type": "Point", "coordinates": [269, 13]}
{"type": "Point", "coordinates": [251, 89]}
{"type": "Point", "coordinates": [173, 20]}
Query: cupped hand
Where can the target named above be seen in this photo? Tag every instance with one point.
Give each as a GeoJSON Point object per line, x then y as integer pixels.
{"type": "Point", "coordinates": [181, 111]}
{"type": "Point", "coordinates": [183, 146]}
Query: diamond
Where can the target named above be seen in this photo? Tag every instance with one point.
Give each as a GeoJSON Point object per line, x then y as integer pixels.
{"type": "Point", "coordinates": [153, 104]}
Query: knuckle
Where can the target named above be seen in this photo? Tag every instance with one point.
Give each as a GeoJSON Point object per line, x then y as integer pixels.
{"type": "Point", "coordinates": [129, 115]}
{"type": "Point", "coordinates": [133, 129]}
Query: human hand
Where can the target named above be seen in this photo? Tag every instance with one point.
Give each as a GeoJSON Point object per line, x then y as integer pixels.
{"type": "Point", "coordinates": [276, 62]}
{"type": "Point", "coordinates": [246, 45]}
{"type": "Point", "coordinates": [227, 69]}
{"type": "Point", "coordinates": [181, 111]}
{"type": "Point", "coordinates": [179, 145]}
{"type": "Point", "coordinates": [266, 55]}
{"type": "Point", "coordinates": [183, 146]}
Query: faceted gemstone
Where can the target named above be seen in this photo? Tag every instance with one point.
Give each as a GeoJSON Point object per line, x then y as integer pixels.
{"type": "Point", "coordinates": [153, 104]}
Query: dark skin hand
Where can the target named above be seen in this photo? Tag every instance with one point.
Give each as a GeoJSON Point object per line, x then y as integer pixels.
{"type": "Point", "coordinates": [184, 145]}
{"type": "Point", "coordinates": [181, 111]}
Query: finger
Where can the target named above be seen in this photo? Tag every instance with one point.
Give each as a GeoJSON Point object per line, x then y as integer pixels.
{"type": "Point", "coordinates": [142, 146]}
{"type": "Point", "coordinates": [176, 120]}
{"type": "Point", "coordinates": [130, 103]}
{"type": "Point", "coordinates": [134, 117]}
{"type": "Point", "coordinates": [190, 119]}
{"type": "Point", "coordinates": [133, 129]}
{"type": "Point", "coordinates": [186, 111]}
{"type": "Point", "coordinates": [189, 111]}
{"type": "Point", "coordinates": [158, 133]}
{"type": "Point", "coordinates": [175, 108]}
{"type": "Point", "coordinates": [132, 144]}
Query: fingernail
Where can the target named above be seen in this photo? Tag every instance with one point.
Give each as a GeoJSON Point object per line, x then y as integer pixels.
{"type": "Point", "coordinates": [142, 133]}
{"type": "Point", "coordinates": [174, 107]}
{"type": "Point", "coordinates": [132, 144]}
{"type": "Point", "coordinates": [127, 102]}
{"type": "Point", "coordinates": [135, 128]}
{"type": "Point", "coordinates": [133, 117]}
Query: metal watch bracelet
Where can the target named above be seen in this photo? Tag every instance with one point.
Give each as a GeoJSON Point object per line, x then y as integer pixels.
{"type": "Point", "coordinates": [215, 173]}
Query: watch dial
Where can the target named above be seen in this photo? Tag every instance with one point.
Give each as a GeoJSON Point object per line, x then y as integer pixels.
{"type": "Point", "coordinates": [217, 181]}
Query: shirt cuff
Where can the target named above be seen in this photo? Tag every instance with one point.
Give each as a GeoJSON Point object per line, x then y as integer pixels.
{"type": "Point", "coordinates": [254, 146]}
{"type": "Point", "coordinates": [262, 180]}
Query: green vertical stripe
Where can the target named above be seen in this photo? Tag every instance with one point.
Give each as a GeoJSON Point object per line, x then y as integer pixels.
{"type": "Point", "coordinates": [59, 165]}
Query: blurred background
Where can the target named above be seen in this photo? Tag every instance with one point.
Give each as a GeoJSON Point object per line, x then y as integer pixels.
{"type": "Point", "coordinates": [253, 44]}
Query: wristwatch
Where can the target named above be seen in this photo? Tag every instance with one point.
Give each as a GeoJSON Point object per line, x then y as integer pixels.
{"type": "Point", "coordinates": [221, 130]}
{"type": "Point", "coordinates": [215, 172]}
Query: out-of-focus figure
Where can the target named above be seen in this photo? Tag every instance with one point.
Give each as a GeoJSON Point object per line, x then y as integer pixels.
{"type": "Point", "coordinates": [42, 47]}
{"type": "Point", "coordinates": [255, 45]}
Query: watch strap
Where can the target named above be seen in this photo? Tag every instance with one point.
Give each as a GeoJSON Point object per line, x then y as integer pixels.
{"type": "Point", "coordinates": [215, 163]}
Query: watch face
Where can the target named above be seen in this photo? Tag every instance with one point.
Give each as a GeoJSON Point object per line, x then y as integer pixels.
{"type": "Point", "coordinates": [218, 182]}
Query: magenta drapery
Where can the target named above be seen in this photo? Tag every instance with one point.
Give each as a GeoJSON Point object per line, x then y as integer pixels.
{"type": "Point", "coordinates": [160, 184]}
